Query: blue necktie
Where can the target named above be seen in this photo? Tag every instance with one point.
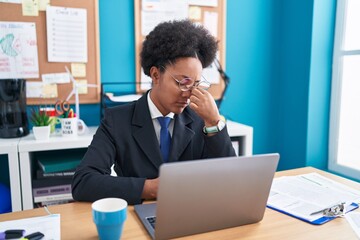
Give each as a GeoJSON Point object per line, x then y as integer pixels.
{"type": "Point", "coordinates": [165, 138]}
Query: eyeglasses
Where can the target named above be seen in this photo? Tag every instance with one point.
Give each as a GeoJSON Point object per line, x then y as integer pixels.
{"type": "Point", "coordinates": [187, 84]}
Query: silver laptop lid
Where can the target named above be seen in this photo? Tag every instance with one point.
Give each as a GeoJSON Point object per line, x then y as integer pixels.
{"type": "Point", "coordinates": [206, 195]}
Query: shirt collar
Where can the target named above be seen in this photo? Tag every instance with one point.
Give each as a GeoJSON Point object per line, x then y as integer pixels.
{"type": "Point", "coordinates": [154, 111]}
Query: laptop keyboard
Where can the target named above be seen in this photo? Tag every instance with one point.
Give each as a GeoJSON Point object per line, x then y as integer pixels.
{"type": "Point", "coordinates": [152, 221]}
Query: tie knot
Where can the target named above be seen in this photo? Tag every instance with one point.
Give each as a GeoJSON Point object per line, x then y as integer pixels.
{"type": "Point", "coordinates": [164, 121]}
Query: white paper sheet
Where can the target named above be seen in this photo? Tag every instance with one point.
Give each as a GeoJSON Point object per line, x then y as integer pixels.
{"type": "Point", "coordinates": [18, 50]}
{"type": "Point", "coordinates": [124, 98]}
{"type": "Point", "coordinates": [11, 1]}
{"type": "Point", "coordinates": [208, 3]}
{"type": "Point", "coordinates": [33, 89]}
{"type": "Point", "coordinates": [49, 225]}
{"type": "Point", "coordinates": [211, 22]}
{"type": "Point", "coordinates": [211, 74]}
{"type": "Point", "coordinates": [66, 34]}
{"type": "Point", "coordinates": [304, 194]}
{"type": "Point", "coordinates": [354, 220]}
{"type": "Point", "coordinates": [41, 90]}
{"type": "Point", "coordinates": [145, 80]}
{"type": "Point", "coordinates": [155, 12]}
{"type": "Point", "coordinates": [162, 5]}
{"type": "Point", "coordinates": [55, 78]}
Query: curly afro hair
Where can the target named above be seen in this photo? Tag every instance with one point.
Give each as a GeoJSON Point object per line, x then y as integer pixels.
{"type": "Point", "coordinates": [171, 40]}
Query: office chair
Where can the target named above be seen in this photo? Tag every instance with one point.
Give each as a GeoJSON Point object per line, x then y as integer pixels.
{"type": "Point", "coordinates": [226, 80]}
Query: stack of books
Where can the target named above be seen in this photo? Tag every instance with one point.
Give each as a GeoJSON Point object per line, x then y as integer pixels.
{"type": "Point", "coordinates": [52, 184]}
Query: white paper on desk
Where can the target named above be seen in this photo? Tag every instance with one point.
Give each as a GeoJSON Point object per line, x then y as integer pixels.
{"type": "Point", "coordinates": [49, 225]}
{"type": "Point", "coordinates": [354, 220]}
{"type": "Point", "coordinates": [304, 194]}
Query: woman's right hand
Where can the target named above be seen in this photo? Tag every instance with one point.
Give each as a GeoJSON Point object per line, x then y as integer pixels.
{"type": "Point", "coordinates": [150, 189]}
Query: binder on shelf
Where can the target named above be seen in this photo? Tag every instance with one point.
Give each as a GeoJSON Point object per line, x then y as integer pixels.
{"type": "Point", "coordinates": [51, 203]}
{"type": "Point", "coordinates": [57, 164]}
{"type": "Point", "coordinates": [312, 198]}
{"type": "Point", "coordinates": [41, 183]}
{"type": "Point", "coordinates": [57, 197]}
{"type": "Point", "coordinates": [40, 174]}
{"type": "Point", "coordinates": [52, 190]}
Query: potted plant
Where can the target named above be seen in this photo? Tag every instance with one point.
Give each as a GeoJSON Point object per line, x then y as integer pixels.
{"type": "Point", "coordinates": [41, 122]}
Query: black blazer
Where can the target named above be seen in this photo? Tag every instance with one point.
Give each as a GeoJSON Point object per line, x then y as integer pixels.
{"type": "Point", "coordinates": [127, 139]}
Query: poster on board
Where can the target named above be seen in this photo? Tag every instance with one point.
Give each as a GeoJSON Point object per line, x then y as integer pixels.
{"type": "Point", "coordinates": [18, 50]}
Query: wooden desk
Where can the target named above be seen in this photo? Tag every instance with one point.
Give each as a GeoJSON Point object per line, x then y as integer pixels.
{"type": "Point", "coordinates": [76, 222]}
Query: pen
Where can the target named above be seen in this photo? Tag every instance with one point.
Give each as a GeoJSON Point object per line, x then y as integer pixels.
{"type": "Point", "coordinates": [320, 211]}
{"type": "Point", "coordinates": [33, 236]}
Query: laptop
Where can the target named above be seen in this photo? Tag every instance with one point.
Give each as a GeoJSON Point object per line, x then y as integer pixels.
{"type": "Point", "coordinates": [206, 195]}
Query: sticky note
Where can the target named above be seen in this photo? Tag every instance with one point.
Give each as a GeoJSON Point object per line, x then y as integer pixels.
{"type": "Point", "coordinates": [195, 13]}
{"type": "Point", "coordinates": [30, 7]}
{"type": "Point", "coordinates": [43, 4]}
{"type": "Point", "coordinates": [50, 91]}
{"type": "Point", "coordinates": [82, 88]}
{"type": "Point", "coordinates": [78, 69]}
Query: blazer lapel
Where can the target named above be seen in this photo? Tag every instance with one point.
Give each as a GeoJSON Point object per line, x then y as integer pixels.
{"type": "Point", "coordinates": [144, 133]}
{"type": "Point", "coordinates": [182, 135]}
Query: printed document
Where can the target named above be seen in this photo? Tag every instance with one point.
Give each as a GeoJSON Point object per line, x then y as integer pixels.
{"type": "Point", "coordinates": [66, 34]}
{"type": "Point", "coordinates": [18, 50]}
{"type": "Point", "coordinates": [354, 220]}
{"type": "Point", "coordinates": [305, 194]}
{"type": "Point", "coordinates": [48, 225]}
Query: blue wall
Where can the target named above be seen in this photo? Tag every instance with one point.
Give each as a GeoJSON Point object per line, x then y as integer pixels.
{"type": "Point", "coordinates": [293, 46]}
{"type": "Point", "coordinates": [117, 49]}
{"type": "Point", "coordinates": [320, 84]}
{"type": "Point", "coordinates": [279, 55]}
{"type": "Point", "coordinates": [249, 41]}
{"type": "Point", "coordinates": [280, 65]}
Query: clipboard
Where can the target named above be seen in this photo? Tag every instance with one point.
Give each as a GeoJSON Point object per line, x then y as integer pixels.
{"type": "Point", "coordinates": [312, 198]}
{"type": "Point", "coordinates": [320, 220]}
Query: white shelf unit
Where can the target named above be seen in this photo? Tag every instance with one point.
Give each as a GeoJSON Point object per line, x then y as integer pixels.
{"type": "Point", "coordinates": [241, 135]}
{"type": "Point", "coordinates": [9, 147]}
{"type": "Point", "coordinates": [29, 145]}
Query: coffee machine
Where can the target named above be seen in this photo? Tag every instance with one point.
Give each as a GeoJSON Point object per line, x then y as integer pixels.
{"type": "Point", "coordinates": [13, 117]}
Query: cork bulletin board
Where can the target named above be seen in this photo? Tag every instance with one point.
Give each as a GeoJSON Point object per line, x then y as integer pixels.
{"type": "Point", "coordinates": [198, 12]}
{"type": "Point", "coordinates": [10, 12]}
